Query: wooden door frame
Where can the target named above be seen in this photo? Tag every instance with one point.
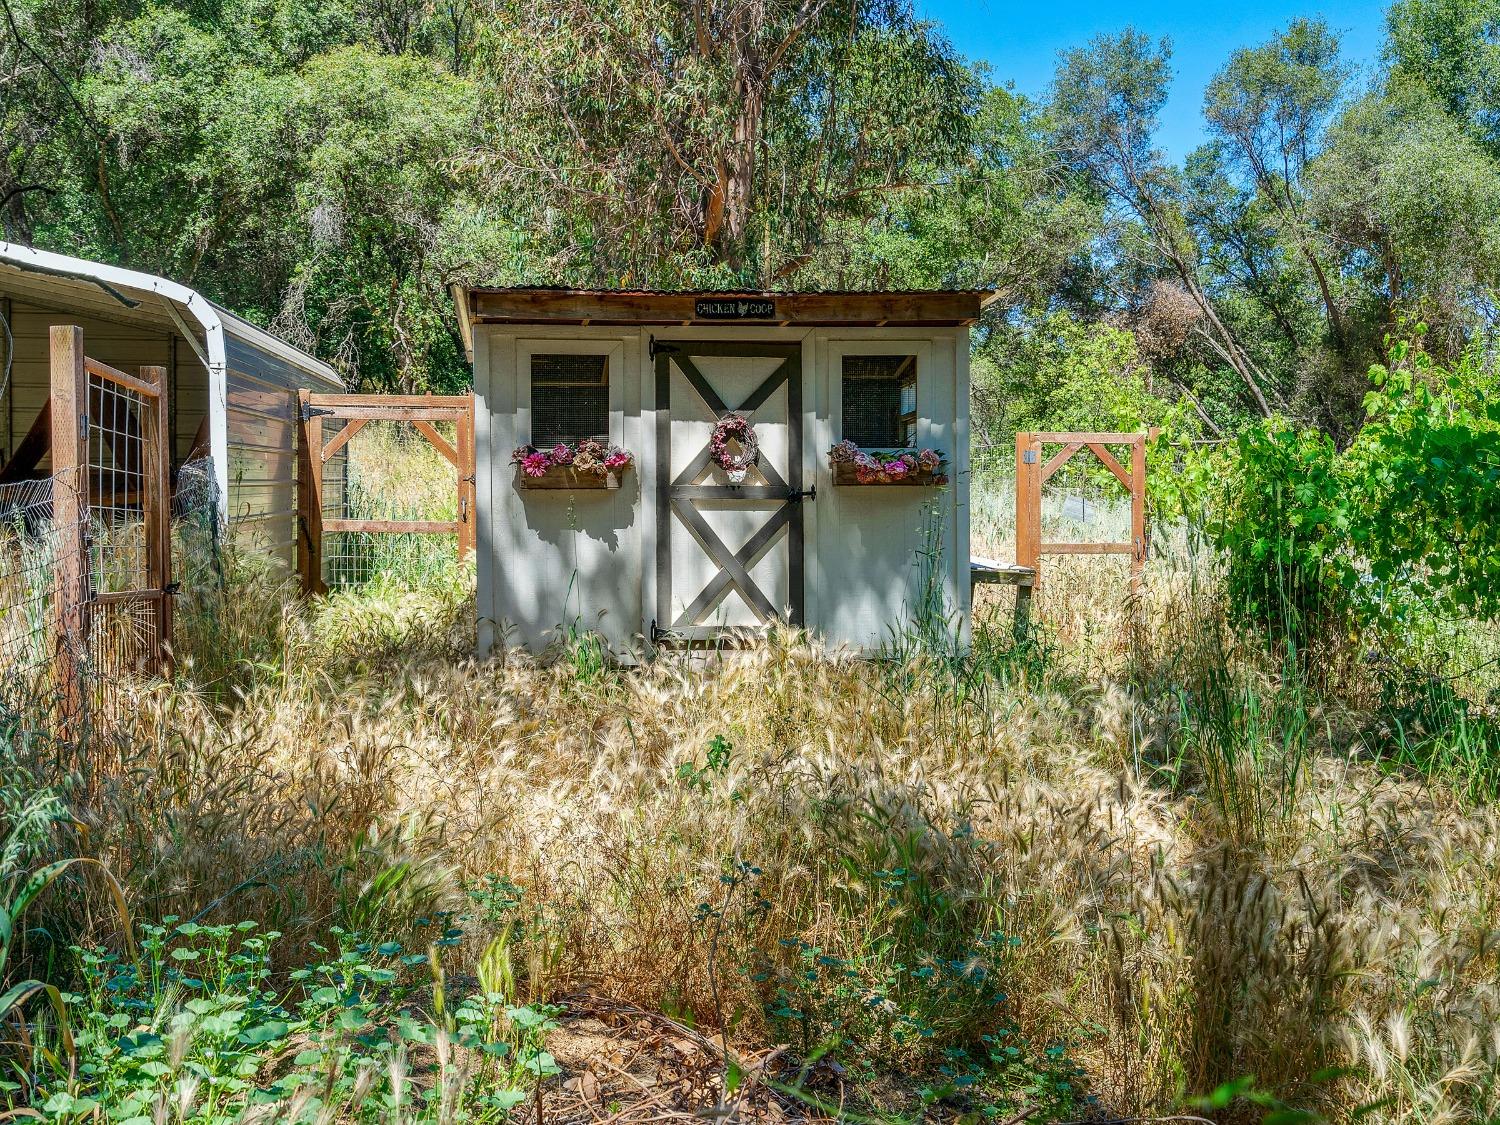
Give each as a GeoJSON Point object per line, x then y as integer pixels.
{"type": "Point", "coordinates": [676, 494]}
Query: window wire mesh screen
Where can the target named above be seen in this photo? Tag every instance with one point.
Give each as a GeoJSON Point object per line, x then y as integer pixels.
{"type": "Point", "coordinates": [569, 398]}
{"type": "Point", "coordinates": [389, 471]}
{"type": "Point", "coordinates": [880, 400]}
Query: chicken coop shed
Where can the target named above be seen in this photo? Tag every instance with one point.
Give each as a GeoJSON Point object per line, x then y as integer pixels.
{"type": "Point", "coordinates": [680, 468]}
{"type": "Point", "coordinates": [231, 387]}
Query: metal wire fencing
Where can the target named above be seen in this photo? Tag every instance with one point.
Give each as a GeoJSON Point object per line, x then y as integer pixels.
{"type": "Point", "coordinates": [389, 472]}
{"type": "Point", "coordinates": [126, 611]}
{"type": "Point", "coordinates": [119, 624]}
{"type": "Point", "coordinates": [30, 543]}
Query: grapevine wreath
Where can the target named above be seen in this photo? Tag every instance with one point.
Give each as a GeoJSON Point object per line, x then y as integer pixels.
{"type": "Point", "coordinates": [737, 428]}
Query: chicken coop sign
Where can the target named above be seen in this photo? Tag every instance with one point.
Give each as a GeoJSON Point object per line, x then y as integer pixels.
{"type": "Point", "coordinates": [739, 308]}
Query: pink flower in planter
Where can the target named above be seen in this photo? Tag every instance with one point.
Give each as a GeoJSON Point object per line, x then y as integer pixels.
{"type": "Point", "coordinates": [931, 459]}
{"type": "Point", "coordinates": [536, 464]}
{"type": "Point", "coordinates": [895, 469]}
{"type": "Point", "coordinates": [617, 460]}
{"type": "Point", "coordinates": [561, 454]}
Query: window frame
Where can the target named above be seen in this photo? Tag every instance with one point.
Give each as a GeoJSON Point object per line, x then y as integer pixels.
{"type": "Point", "coordinates": [615, 379]}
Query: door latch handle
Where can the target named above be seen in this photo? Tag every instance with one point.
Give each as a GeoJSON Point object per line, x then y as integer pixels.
{"type": "Point", "coordinates": [805, 494]}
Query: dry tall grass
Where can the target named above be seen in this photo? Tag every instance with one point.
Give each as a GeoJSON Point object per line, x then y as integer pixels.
{"type": "Point", "coordinates": [897, 861]}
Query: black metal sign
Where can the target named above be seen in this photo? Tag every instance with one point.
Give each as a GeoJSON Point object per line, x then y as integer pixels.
{"type": "Point", "coordinates": [736, 308]}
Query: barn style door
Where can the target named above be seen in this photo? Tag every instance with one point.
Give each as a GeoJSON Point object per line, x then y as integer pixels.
{"type": "Point", "coordinates": [728, 557]}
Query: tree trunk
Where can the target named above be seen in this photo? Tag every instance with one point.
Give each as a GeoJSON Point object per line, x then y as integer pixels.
{"type": "Point", "coordinates": [732, 196]}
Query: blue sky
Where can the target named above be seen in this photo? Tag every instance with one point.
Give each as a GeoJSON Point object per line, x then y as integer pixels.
{"type": "Point", "coordinates": [1021, 41]}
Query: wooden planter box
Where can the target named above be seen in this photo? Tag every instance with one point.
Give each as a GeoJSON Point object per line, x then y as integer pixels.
{"type": "Point", "coordinates": [569, 479]}
{"type": "Point", "coordinates": [843, 474]}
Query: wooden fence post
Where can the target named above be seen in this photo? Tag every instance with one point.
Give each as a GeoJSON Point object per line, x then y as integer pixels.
{"type": "Point", "coordinates": [309, 497]}
{"type": "Point", "coordinates": [156, 512]}
{"type": "Point", "coordinates": [1028, 521]}
{"type": "Point", "coordinates": [70, 520]}
{"type": "Point", "coordinates": [464, 442]}
{"type": "Point", "coordinates": [1137, 513]}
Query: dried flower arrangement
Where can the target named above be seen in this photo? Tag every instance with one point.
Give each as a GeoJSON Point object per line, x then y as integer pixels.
{"type": "Point", "coordinates": [587, 464]}
{"type": "Point", "coordinates": [853, 465]}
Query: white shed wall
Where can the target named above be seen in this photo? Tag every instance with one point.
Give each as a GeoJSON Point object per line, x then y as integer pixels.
{"type": "Point", "coordinates": [550, 558]}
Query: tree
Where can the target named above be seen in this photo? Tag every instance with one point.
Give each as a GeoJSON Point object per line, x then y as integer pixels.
{"type": "Point", "coordinates": [1451, 48]}
{"type": "Point", "coordinates": [1415, 203]}
{"type": "Point", "coordinates": [382, 142]}
{"type": "Point", "coordinates": [657, 140]}
{"type": "Point", "coordinates": [1269, 106]}
{"type": "Point", "coordinates": [1105, 100]}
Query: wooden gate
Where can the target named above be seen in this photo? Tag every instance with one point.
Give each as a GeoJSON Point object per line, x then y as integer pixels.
{"type": "Point", "coordinates": [1032, 472]}
{"type": "Point", "coordinates": [757, 582]}
{"type": "Point", "coordinates": [317, 450]}
{"type": "Point", "coordinates": [111, 506]}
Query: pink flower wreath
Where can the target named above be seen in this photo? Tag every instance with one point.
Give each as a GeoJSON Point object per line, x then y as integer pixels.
{"type": "Point", "coordinates": [737, 428]}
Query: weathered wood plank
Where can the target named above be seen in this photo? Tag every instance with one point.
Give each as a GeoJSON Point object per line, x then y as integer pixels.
{"type": "Point", "coordinates": [1059, 459]}
{"type": "Point", "coordinates": [156, 481]}
{"type": "Point", "coordinates": [913, 309]}
{"type": "Point", "coordinates": [440, 443]}
{"type": "Point", "coordinates": [120, 378]}
{"type": "Point", "coordinates": [569, 479]}
{"type": "Point", "coordinates": [1114, 466]}
{"type": "Point", "coordinates": [1088, 549]}
{"type": "Point", "coordinates": [342, 438]}
{"type": "Point", "coordinates": [309, 498]}
{"type": "Point", "coordinates": [845, 474]}
{"type": "Point", "coordinates": [30, 449]}
{"type": "Point", "coordinates": [1087, 437]}
{"type": "Point", "coordinates": [70, 508]}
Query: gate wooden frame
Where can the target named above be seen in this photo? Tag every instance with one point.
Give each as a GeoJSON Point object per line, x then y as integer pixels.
{"type": "Point", "coordinates": [358, 411]}
{"type": "Point", "coordinates": [69, 407]}
{"type": "Point", "coordinates": [678, 496]}
{"type": "Point", "coordinates": [1032, 472]}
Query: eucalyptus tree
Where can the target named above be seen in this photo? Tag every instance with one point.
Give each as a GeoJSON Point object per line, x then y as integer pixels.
{"type": "Point", "coordinates": [662, 141]}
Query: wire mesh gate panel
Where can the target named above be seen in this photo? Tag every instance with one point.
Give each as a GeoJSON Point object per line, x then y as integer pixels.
{"type": "Point", "coordinates": [1034, 469]}
{"type": "Point", "coordinates": [31, 542]}
{"type": "Point", "coordinates": [385, 487]}
{"type": "Point", "coordinates": [86, 556]}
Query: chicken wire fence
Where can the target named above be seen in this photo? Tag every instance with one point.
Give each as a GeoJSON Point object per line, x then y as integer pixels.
{"type": "Point", "coordinates": [107, 660]}
{"type": "Point", "coordinates": [30, 545]}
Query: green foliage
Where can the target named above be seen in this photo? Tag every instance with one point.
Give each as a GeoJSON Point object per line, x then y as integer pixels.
{"type": "Point", "coordinates": [1404, 521]}
{"type": "Point", "coordinates": [1451, 48]}
{"type": "Point", "coordinates": [1282, 520]}
{"type": "Point", "coordinates": [1426, 470]}
{"type": "Point", "coordinates": [202, 1025]}
{"type": "Point", "coordinates": [1061, 374]}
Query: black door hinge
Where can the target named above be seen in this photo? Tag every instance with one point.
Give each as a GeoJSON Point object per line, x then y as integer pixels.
{"type": "Point", "coordinates": [311, 412]}
{"type": "Point", "coordinates": [659, 347]}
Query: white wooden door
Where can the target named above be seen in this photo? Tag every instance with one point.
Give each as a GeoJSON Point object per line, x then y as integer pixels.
{"type": "Point", "coordinates": [728, 556]}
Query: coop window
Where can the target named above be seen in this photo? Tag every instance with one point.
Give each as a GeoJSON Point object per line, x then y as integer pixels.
{"type": "Point", "coordinates": [880, 400]}
{"type": "Point", "coordinates": [569, 398]}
